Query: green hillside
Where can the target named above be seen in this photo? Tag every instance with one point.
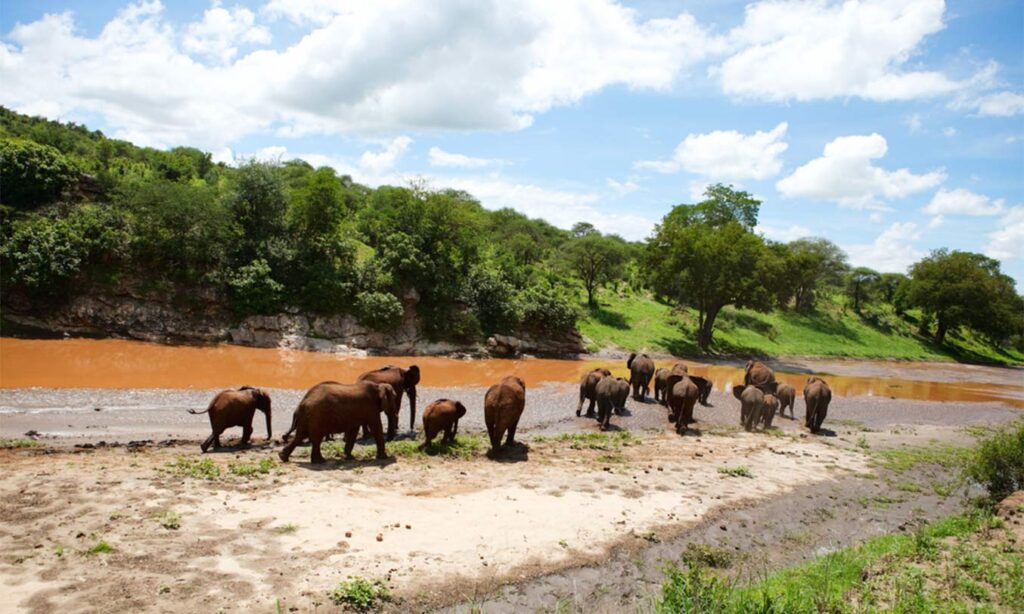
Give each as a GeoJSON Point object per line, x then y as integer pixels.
{"type": "Point", "coordinates": [631, 321]}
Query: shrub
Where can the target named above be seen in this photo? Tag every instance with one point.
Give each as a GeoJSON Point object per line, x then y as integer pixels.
{"type": "Point", "coordinates": [253, 290]}
{"type": "Point", "coordinates": [379, 310]}
{"type": "Point", "coordinates": [33, 174]}
{"type": "Point", "coordinates": [42, 256]}
{"type": "Point", "coordinates": [360, 594]}
{"type": "Point", "coordinates": [492, 299]}
{"type": "Point", "coordinates": [546, 308]}
{"type": "Point", "coordinates": [692, 590]}
{"type": "Point", "coordinates": [998, 462]}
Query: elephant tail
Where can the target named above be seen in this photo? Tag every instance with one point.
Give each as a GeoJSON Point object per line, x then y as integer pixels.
{"type": "Point", "coordinates": [291, 429]}
{"type": "Point", "coordinates": [195, 412]}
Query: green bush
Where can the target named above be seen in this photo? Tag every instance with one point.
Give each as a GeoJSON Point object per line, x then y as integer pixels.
{"type": "Point", "coordinates": [546, 308]}
{"type": "Point", "coordinates": [253, 290]}
{"type": "Point", "coordinates": [998, 462]}
{"type": "Point", "coordinates": [32, 174]}
{"type": "Point", "coordinates": [360, 594]}
{"type": "Point", "coordinates": [692, 590]}
{"type": "Point", "coordinates": [493, 299]}
{"type": "Point", "coordinates": [43, 255]}
{"type": "Point", "coordinates": [379, 310]}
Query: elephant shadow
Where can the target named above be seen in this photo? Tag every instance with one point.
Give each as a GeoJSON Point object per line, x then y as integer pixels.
{"type": "Point", "coordinates": [625, 413]}
{"type": "Point", "coordinates": [693, 431]}
{"type": "Point", "coordinates": [518, 452]}
{"type": "Point", "coordinates": [349, 465]}
{"type": "Point", "coordinates": [824, 432]}
{"type": "Point", "coordinates": [234, 447]}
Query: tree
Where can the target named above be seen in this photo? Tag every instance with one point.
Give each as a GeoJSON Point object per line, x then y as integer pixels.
{"type": "Point", "coordinates": [888, 284]}
{"type": "Point", "coordinates": [582, 229]}
{"type": "Point", "coordinates": [861, 283]}
{"type": "Point", "coordinates": [705, 256]}
{"type": "Point", "coordinates": [259, 206]}
{"type": "Point", "coordinates": [595, 260]}
{"type": "Point", "coordinates": [812, 265]}
{"type": "Point", "coordinates": [963, 289]}
{"type": "Point", "coordinates": [318, 205]}
{"type": "Point", "coordinates": [32, 174]}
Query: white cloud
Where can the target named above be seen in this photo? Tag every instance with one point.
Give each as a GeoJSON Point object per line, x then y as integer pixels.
{"type": "Point", "coordinates": [891, 252]}
{"type": "Point", "coordinates": [622, 187]}
{"type": "Point", "coordinates": [385, 160]}
{"type": "Point", "coordinates": [221, 31]}
{"type": "Point", "coordinates": [812, 50]}
{"type": "Point", "coordinates": [999, 104]}
{"type": "Point", "coordinates": [914, 123]}
{"type": "Point", "coordinates": [303, 11]}
{"type": "Point", "coordinates": [1007, 243]}
{"type": "Point", "coordinates": [784, 233]}
{"type": "Point", "coordinates": [963, 202]}
{"type": "Point", "coordinates": [949, 131]}
{"type": "Point", "coordinates": [844, 174]}
{"type": "Point", "coordinates": [936, 221]}
{"type": "Point", "coordinates": [388, 67]}
{"type": "Point", "coordinates": [726, 155]}
{"type": "Point", "coordinates": [440, 157]}
{"type": "Point", "coordinates": [876, 216]}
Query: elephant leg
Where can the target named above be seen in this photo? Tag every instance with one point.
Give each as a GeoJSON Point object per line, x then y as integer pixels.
{"type": "Point", "coordinates": [216, 439]}
{"type": "Point", "coordinates": [579, 406]}
{"type": "Point", "coordinates": [209, 441]}
{"type": "Point", "coordinates": [350, 441]}
{"type": "Point", "coordinates": [378, 436]}
{"type": "Point", "coordinates": [246, 434]}
{"type": "Point", "coordinates": [429, 434]}
{"type": "Point", "coordinates": [590, 409]}
{"type": "Point", "coordinates": [315, 456]}
{"type": "Point", "coordinates": [492, 432]}
{"type": "Point", "coordinates": [449, 434]}
{"type": "Point", "coordinates": [511, 433]}
{"type": "Point", "coordinates": [285, 454]}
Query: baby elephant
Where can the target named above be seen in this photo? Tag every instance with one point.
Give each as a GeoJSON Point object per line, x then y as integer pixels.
{"type": "Point", "coordinates": [612, 393]}
{"type": "Point", "coordinates": [235, 408]}
{"type": "Point", "coordinates": [768, 409]}
{"type": "Point", "coordinates": [442, 415]}
{"type": "Point", "coordinates": [503, 406]}
{"type": "Point", "coordinates": [787, 397]}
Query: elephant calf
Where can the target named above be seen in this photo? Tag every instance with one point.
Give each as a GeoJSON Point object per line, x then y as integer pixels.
{"type": "Point", "coordinates": [503, 406]}
{"type": "Point", "coordinates": [787, 398]}
{"type": "Point", "coordinates": [817, 396]}
{"type": "Point", "coordinates": [235, 408]}
{"type": "Point", "coordinates": [682, 396]}
{"type": "Point", "coordinates": [751, 403]}
{"type": "Point", "coordinates": [768, 409]}
{"type": "Point", "coordinates": [661, 385]}
{"type": "Point", "coordinates": [442, 415]}
{"type": "Point", "coordinates": [612, 393]}
{"type": "Point", "coordinates": [641, 370]}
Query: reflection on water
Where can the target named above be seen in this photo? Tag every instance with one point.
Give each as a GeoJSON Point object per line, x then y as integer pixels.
{"type": "Point", "coordinates": [111, 363]}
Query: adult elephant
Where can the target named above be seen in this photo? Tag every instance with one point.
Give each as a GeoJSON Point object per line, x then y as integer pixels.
{"type": "Point", "coordinates": [817, 396]}
{"type": "Point", "coordinates": [787, 398]}
{"type": "Point", "coordinates": [758, 374]}
{"type": "Point", "coordinates": [682, 396]}
{"type": "Point", "coordinates": [235, 408]}
{"type": "Point", "coordinates": [612, 393]}
{"type": "Point", "coordinates": [330, 407]}
{"type": "Point", "coordinates": [588, 389]}
{"type": "Point", "coordinates": [751, 404]}
{"type": "Point", "coordinates": [403, 381]}
{"type": "Point", "coordinates": [704, 386]}
{"type": "Point", "coordinates": [641, 370]}
{"type": "Point", "coordinates": [503, 406]}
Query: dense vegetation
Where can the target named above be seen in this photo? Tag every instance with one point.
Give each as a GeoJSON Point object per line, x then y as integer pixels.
{"type": "Point", "coordinates": [83, 213]}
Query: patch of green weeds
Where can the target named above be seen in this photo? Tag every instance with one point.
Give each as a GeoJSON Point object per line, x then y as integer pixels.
{"type": "Point", "coordinates": [169, 520]}
{"type": "Point", "coordinates": [608, 440]}
{"type": "Point", "coordinates": [360, 594]}
{"type": "Point", "coordinates": [739, 471]}
{"type": "Point", "coordinates": [908, 457]}
{"type": "Point", "coordinates": [201, 469]}
{"type": "Point", "coordinates": [251, 470]}
{"type": "Point", "coordinates": [708, 556]}
{"type": "Point", "coordinates": [8, 444]}
{"type": "Point", "coordinates": [286, 529]}
{"type": "Point", "coordinates": [101, 547]}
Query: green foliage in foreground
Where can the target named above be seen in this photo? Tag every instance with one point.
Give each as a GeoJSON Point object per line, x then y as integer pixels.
{"type": "Point", "coordinates": [593, 441]}
{"type": "Point", "coordinates": [201, 469]}
{"type": "Point", "coordinates": [250, 470]}
{"type": "Point", "coordinates": [360, 594]}
{"type": "Point", "coordinates": [998, 462]}
{"type": "Point", "coordinates": [18, 443]}
{"type": "Point", "coordinates": [960, 564]}
{"type": "Point", "coordinates": [633, 321]}
{"type": "Point", "coordinates": [463, 448]}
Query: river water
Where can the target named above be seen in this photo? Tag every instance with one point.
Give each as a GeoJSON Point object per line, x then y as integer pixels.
{"type": "Point", "coordinates": [120, 364]}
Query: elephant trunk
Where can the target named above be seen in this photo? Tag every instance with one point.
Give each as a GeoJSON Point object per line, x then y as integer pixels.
{"type": "Point", "coordinates": [270, 434]}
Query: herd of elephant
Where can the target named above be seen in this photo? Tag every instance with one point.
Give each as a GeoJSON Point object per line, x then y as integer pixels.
{"type": "Point", "coordinates": [332, 407]}
{"type": "Point", "coordinates": [760, 395]}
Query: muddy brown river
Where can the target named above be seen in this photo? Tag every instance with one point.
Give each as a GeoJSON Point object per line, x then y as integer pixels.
{"type": "Point", "coordinates": [120, 364]}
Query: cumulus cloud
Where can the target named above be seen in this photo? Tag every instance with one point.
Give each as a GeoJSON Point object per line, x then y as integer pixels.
{"type": "Point", "coordinates": [439, 157]}
{"type": "Point", "coordinates": [622, 187]}
{"type": "Point", "coordinates": [784, 234]}
{"type": "Point", "coordinates": [891, 252]}
{"type": "Point", "coordinates": [384, 160]}
{"type": "Point", "coordinates": [726, 155]}
{"type": "Point", "coordinates": [371, 67]}
{"type": "Point", "coordinates": [222, 30]}
{"type": "Point", "coordinates": [800, 50]}
{"type": "Point", "coordinates": [845, 174]}
{"type": "Point", "coordinates": [963, 202]}
{"type": "Point", "coordinates": [999, 104]}
{"type": "Point", "coordinates": [1007, 243]}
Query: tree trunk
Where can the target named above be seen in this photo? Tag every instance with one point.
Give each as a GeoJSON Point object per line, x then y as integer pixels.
{"type": "Point", "coordinates": [590, 296]}
{"type": "Point", "coordinates": [707, 329]}
{"type": "Point", "coordinates": [940, 332]}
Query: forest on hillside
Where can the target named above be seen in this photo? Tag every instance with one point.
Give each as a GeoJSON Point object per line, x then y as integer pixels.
{"type": "Point", "coordinates": [81, 213]}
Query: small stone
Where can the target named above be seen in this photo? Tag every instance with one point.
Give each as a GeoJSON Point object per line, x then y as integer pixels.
{"type": "Point", "coordinates": [348, 533]}
{"type": "Point", "coordinates": [408, 526]}
{"type": "Point", "coordinates": [380, 537]}
{"type": "Point", "coordinates": [722, 527]}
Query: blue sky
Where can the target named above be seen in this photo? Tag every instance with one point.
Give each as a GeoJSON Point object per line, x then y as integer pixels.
{"type": "Point", "coordinates": [890, 127]}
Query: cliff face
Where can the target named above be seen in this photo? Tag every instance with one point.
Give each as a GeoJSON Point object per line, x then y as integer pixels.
{"type": "Point", "coordinates": [151, 316]}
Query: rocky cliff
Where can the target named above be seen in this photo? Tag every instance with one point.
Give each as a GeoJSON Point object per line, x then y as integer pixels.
{"type": "Point", "coordinates": [201, 318]}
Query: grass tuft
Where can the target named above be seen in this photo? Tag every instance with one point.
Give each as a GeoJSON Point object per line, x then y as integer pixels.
{"type": "Point", "coordinates": [360, 594]}
{"type": "Point", "coordinates": [169, 520]}
{"type": "Point", "coordinates": [8, 444]}
{"type": "Point", "coordinates": [202, 469]}
{"type": "Point", "coordinates": [252, 470]}
{"type": "Point", "coordinates": [101, 547]}
{"type": "Point", "coordinates": [740, 471]}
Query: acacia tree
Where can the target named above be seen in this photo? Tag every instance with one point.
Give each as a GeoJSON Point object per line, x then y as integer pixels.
{"type": "Point", "coordinates": [963, 289]}
{"type": "Point", "coordinates": [595, 260]}
{"type": "Point", "coordinates": [860, 285]}
{"type": "Point", "coordinates": [707, 256]}
{"type": "Point", "coordinates": [813, 264]}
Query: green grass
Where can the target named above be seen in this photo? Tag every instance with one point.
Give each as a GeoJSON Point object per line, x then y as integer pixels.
{"type": "Point", "coordinates": [629, 321]}
{"type": "Point", "coordinates": [612, 440]}
{"type": "Point", "coordinates": [18, 443]}
{"type": "Point", "coordinates": [252, 470]}
{"type": "Point", "coordinates": [959, 564]}
{"type": "Point", "coordinates": [286, 529]}
{"type": "Point", "coordinates": [101, 547]}
{"type": "Point", "coordinates": [740, 471]}
{"type": "Point", "coordinates": [202, 469]}
{"type": "Point", "coordinates": [464, 448]}
{"type": "Point", "coordinates": [908, 457]}
{"type": "Point", "coordinates": [169, 520]}
{"type": "Point", "coordinates": [360, 594]}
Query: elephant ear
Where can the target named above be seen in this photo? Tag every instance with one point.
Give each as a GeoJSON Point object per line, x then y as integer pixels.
{"type": "Point", "coordinates": [412, 376]}
{"type": "Point", "coordinates": [460, 409]}
{"type": "Point", "coordinates": [737, 391]}
{"type": "Point", "coordinates": [387, 398]}
{"type": "Point", "coordinates": [629, 361]}
{"type": "Point", "coordinates": [673, 379]}
{"type": "Point", "coordinates": [522, 384]}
